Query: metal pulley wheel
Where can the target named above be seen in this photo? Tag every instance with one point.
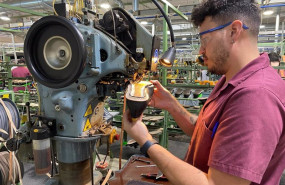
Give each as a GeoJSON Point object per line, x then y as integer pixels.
{"type": "Point", "coordinates": [55, 51]}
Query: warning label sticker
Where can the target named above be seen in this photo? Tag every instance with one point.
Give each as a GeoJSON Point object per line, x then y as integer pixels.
{"type": "Point", "coordinates": [87, 125]}
{"type": "Point", "coordinates": [88, 111]}
{"type": "Point", "coordinates": [87, 114]}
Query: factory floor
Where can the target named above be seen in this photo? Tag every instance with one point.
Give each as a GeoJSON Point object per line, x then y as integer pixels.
{"type": "Point", "coordinates": [177, 145]}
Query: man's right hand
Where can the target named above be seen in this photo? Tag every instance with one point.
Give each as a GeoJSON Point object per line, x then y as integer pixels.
{"type": "Point", "coordinates": [161, 97]}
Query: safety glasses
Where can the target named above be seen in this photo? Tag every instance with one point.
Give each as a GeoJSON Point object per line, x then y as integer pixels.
{"type": "Point", "coordinates": [204, 41]}
{"type": "Point", "coordinates": [220, 27]}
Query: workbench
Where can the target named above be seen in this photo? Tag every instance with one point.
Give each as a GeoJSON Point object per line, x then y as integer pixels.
{"type": "Point", "coordinates": [131, 173]}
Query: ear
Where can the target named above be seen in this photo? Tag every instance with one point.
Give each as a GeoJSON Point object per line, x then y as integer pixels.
{"type": "Point", "coordinates": [236, 30]}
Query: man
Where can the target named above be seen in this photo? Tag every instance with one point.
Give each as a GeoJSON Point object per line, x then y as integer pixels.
{"type": "Point", "coordinates": [20, 72]}
{"type": "Point", "coordinates": [238, 137]}
{"type": "Point", "coordinates": [275, 61]}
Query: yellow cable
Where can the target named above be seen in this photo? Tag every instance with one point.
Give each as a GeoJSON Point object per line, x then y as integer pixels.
{"type": "Point", "coordinates": [54, 8]}
{"type": "Point", "coordinates": [74, 6]}
{"type": "Point", "coordinates": [122, 135]}
{"type": "Point", "coordinates": [39, 98]}
{"type": "Point", "coordinates": [81, 6]}
{"type": "Point", "coordinates": [77, 6]}
{"type": "Point", "coordinates": [69, 7]}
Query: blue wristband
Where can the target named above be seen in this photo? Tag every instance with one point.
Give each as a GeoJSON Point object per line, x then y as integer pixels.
{"type": "Point", "coordinates": [146, 146]}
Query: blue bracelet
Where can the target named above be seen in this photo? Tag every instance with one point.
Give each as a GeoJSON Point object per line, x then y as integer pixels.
{"type": "Point", "coordinates": [146, 146]}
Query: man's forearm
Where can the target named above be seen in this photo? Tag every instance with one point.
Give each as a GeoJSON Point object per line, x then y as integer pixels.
{"type": "Point", "coordinates": [184, 119]}
{"type": "Point", "coordinates": [177, 171]}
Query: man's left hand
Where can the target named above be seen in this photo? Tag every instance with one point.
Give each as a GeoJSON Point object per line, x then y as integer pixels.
{"type": "Point", "coordinates": [137, 129]}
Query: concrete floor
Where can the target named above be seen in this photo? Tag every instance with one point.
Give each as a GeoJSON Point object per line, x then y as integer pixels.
{"type": "Point", "coordinates": [177, 145]}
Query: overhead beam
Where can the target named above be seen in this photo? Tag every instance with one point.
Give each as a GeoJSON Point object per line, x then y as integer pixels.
{"type": "Point", "coordinates": [22, 10]}
{"type": "Point", "coordinates": [141, 2]}
{"type": "Point", "coordinates": [10, 30]}
{"type": "Point", "coordinates": [174, 9]}
{"type": "Point", "coordinates": [151, 12]}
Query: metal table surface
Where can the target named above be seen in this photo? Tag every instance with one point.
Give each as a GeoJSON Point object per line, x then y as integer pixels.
{"type": "Point", "coordinates": [130, 174]}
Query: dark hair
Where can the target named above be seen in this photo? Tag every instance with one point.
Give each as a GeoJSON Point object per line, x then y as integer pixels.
{"type": "Point", "coordinates": [224, 11]}
{"type": "Point", "coordinates": [21, 61]}
{"type": "Point", "coordinates": [274, 57]}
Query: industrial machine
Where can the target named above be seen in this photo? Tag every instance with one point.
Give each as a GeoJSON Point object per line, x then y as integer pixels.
{"type": "Point", "coordinates": [76, 65]}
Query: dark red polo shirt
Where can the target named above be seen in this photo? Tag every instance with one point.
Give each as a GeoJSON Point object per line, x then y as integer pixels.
{"type": "Point", "coordinates": [250, 139]}
{"type": "Point", "coordinates": [20, 72]}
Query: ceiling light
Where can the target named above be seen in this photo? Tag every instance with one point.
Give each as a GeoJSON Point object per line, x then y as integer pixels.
{"type": "Point", "coordinates": [262, 26]}
{"type": "Point", "coordinates": [105, 6]}
{"type": "Point", "coordinates": [4, 18]}
{"type": "Point", "coordinates": [184, 38]}
{"type": "Point", "coordinates": [143, 22]}
{"type": "Point", "coordinates": [268, 12]}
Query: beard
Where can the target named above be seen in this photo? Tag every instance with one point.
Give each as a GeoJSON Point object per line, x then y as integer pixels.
{"type": "Point", "coordinates": [219, 60]}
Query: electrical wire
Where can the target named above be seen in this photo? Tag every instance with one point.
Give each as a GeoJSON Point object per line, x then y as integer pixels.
{"type": "Point", "coordinates": [122, 133]}
{"type": "Point", "coordinates": [82, 5]}
{"type": "Point", "coordinates": [114, 25]}
{"type": "Point", "coordinates": [69, 6]}
{"type": "Point", "coordinates": [53, 2]}
{"type": "Point", "coordinates": [39, 98]}
{"type": "Point", "coordinates": [168, 22]}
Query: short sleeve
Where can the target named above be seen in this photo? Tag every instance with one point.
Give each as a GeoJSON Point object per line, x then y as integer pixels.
{"type": "Point", "coordinates": [248, 133]}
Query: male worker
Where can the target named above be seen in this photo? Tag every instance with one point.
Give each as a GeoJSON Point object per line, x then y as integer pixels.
{"type": "Point", "coordinates": [275, 61]}
{"type": "Point", "coordinates": [239, 136]}
{"type": "Point", "coordinates": [20, 72]}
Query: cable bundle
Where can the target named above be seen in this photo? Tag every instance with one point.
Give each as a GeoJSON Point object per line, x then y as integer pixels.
{"type": "Point", "coordinates": [9, 122]}
{"type": "Point", "coordinates": [5, 168]}
{"type": "Point", "coordinates": [4, 121]}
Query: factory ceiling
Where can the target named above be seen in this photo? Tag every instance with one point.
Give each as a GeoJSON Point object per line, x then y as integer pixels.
{"type": "Point", "coordinates": [145, 11]}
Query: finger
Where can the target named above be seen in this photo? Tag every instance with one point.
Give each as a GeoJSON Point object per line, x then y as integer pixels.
{"type": "Point", "coordinates": [127, 115]}
{"type": "Point", "coordinates": [151, 103]}
{"type": "Point", "coordinates": [140, 118]}
{"type": "Point", "coordinates": [156, 84]}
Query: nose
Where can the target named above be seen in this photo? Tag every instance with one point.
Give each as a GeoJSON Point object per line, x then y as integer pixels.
{"type": "Point", "coordinates": [201, 50]}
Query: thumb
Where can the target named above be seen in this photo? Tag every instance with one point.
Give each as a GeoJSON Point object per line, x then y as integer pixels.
{"type": "Point", "coordinates": [151, 103]}
{"type": "Point", "coordinates": [127, 115]}
{"type": "Point", "coordinates": [156, 84]}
